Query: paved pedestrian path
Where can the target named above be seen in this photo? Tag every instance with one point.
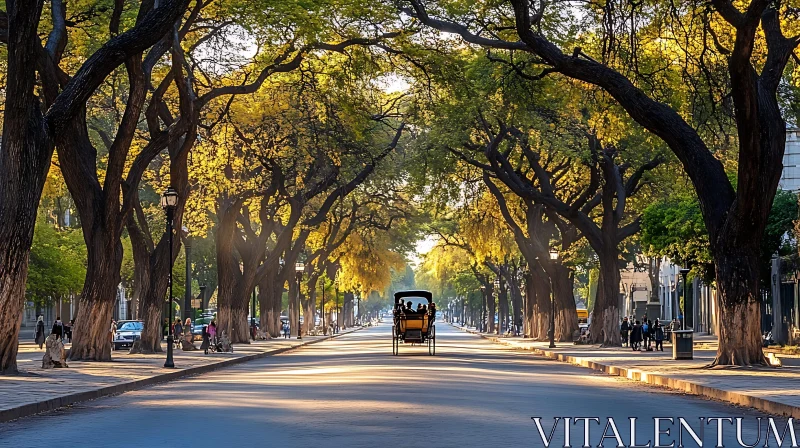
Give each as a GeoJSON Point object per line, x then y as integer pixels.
{"type": "Point", "coordinates": [773, 390]}
{"type": "Point", "coordinates": [37, 390]}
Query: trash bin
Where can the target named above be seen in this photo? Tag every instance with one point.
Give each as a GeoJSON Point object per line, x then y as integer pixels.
{"type": "Point", "coordinates": [682, 344]}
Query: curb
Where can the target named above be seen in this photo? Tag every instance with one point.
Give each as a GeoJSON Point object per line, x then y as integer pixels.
{"type": "Point", "coordinates": [29, 409]}
{"type": "Point", "coordinates": [737, 398]}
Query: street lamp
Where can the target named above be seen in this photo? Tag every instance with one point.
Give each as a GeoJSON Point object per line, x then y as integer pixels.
{"type": "Point", "coordinates": [299, 268]}
{"type": "Point", "coordinates": [168, 202]}
{"type": "Point", "coordinates": [187, 301]}
{"type": "Point", "coordinates": [253, 315]}
{"type": "Point", "coordinates": [684, 272]}
{"type": "Point", "coordinates": [552, 332]}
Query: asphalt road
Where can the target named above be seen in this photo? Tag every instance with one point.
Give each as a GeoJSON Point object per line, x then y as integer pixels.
{"type": "Point", "coordinates": [351, 392]}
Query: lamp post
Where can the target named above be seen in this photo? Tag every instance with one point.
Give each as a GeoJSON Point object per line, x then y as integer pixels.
{"type": "Point", "coordinates": [552, 331]}
{"type": "Point", "coordinates": [684, 272]}
{"type": "Point", "coordinates": [253, 316]}
{"type": "Point", "coordinates": [299, 268]}
{"type": "Point", "coordinates": [187, 301]}
{"type": "Point", "coordinates": [168, 202]}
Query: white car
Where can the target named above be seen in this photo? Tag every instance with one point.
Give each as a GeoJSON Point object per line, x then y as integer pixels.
{"type": "Point", "coordinates": [128, 331]}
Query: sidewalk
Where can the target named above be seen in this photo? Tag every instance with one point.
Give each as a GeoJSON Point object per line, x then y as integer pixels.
{"type": "Point", "coordinates": [772, 390]}
{"type": "Point", "coordinates": [38, 390]}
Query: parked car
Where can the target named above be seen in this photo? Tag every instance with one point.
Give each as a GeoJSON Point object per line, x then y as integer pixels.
{"type": "Point", "coordinates": [128, 331]}
{"type": "Point", "coordinates": [197, 327]}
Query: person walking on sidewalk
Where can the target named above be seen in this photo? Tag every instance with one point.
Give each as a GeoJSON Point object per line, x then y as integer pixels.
{"type": "Point", "coordinates": [658, 332]}
{"type": "Point", "coordinates": [624, 330]}
{"type": "Point", "coordinates": [177, 332]}
{"type": "Point", "coordinates": [636, 336]}
{"type": "Point", "coordinates": [58, 328]}
{"type": "Point", "coordinates": [68, 330]}
{"type": "Point", "coordinates": [646, 334]}
{"type": "Point", "coordinates": [39, 334]}
{"type": "Point", "coordinates": [212, 332]}
{"type": "Point", "coordinates": [112, 331]}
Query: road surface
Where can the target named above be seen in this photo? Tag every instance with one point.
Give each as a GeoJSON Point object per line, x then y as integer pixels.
{"type": "Point", "coordinates": [351, 392]}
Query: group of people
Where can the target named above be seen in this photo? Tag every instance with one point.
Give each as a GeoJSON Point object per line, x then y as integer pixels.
{"type": "Point", "coordinates": [59, 329]}
{"type": "Point", "coordinates": [639, 335]}
{"type": "Point", "coordinates": [182, 331]}
{"type": "Point", "coordinates": [409, 308]}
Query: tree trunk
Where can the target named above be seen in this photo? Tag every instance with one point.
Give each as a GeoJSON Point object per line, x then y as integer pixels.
{"type": "Point", "coordinates": [530, 299]}
{"type": "Point", "coordinates": [91, 338]}
{"type": "Point", "coordinates": [269, 294]}
{"type": "Point", "coordinates": [240, 328]}
{"type": "Point", "coordinates": [491, 308]}
{"type": "Point", "coordinates": [654, 271]}
{"type": "Point", "coordinates": [502, 305]}
{"type": "Point", "coordinates": [739, 316]}
{"type": "Point", "coordinates": [541, 304]}
{"type": "Point", "coordinates": [309, 309]}
{"type": "Point", "coordinates": [293, 312]}
{"type": "Point", "coordinates": [566, 313]}
{"type": "Point", "coordinates": [516, 302]}
{"type": "Point", "coordinates": [24, 162]}
{"type": "Point", "coordinates": [347, 309]}
{"type": "Point", "coordinates": [150, 341]}
{"type": "Point", "coordinates": [604, 328]}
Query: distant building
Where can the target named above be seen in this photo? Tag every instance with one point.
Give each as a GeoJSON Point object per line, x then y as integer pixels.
{"type": "Point", "coordinates": [790, 177]}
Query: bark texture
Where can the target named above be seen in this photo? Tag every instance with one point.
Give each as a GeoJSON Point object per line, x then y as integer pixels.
{"type": "Point", "coordinates": [24, 162]}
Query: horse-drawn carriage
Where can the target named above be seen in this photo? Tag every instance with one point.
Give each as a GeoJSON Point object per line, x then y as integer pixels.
{"type": "Point", "coordinates": [413, 323]}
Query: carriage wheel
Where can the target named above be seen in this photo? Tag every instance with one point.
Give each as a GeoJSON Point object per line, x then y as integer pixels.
{"type": "Point", "coordinates": [432, 341]}
{"type": "Point", "coordinates": [395, 341]}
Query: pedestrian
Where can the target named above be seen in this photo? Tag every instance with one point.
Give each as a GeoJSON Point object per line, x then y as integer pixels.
{"type": "Point", "coordinates": [624, 330]}
{"type": "Point", "coordinates": [187, 330]}
{"type": "Point", "coordinates": [112, 331]}
{"type": "Point", "coordinates": [58, 328]}
{"type": "Point", "coordinates": [69, 330]}
{"type": "Point", "coordinates": [286, 330]}
{"type": "Point", "coordinates": [636, 336]}
{"type": "Point", "coordinates": [39, 333]}
{"type": "Point", "coordinates": [177, 331]}
{"type": "Point", "coordinates": [206, 340]}
{"type": "Point", "coordinates": [646, 334]}
{"type": "Point", "coordinates": [212, 332]}
{"type": "Point", "coordinates": [658, 331]}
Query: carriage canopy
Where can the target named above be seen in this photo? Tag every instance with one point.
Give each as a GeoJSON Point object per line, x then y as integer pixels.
{"type": "Point", "coordinates": [400, 295]}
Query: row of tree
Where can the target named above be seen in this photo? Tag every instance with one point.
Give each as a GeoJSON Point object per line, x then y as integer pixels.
{"type": "Point", "coordinates": [274, 123]}
{"type": "Point", "coordinates": [574, 122]}
{"type": "Point", "coordinates": [268, 127]}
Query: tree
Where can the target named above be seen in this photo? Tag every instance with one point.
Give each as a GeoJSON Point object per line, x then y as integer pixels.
{"type": "Point", "coordinates": [736, 218]}
{"type": "Point", "coordinates": [29, 135]}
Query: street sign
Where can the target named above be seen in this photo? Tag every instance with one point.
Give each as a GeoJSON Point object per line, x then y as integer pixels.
{"type": "Point", "coordinates": [196, 303]}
